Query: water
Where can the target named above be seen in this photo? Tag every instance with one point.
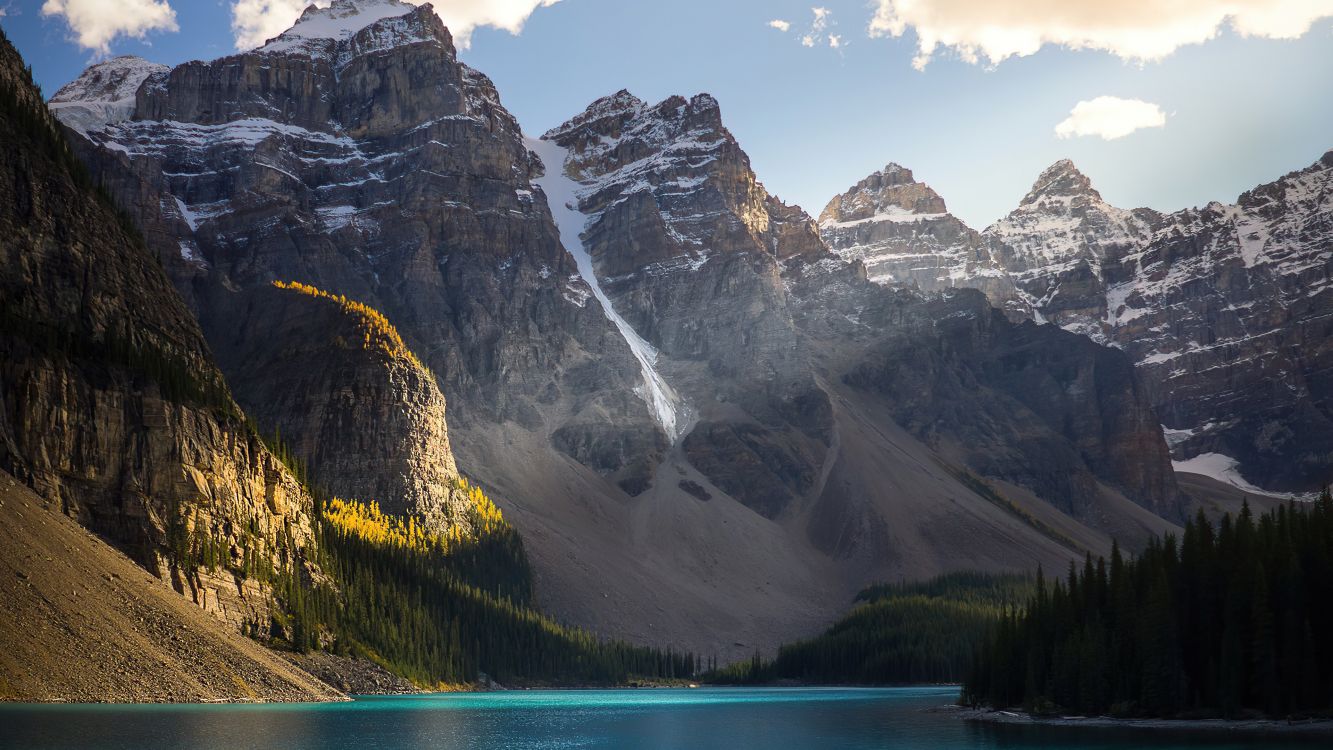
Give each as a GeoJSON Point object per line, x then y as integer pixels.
{"type": "Point", "coordinates": [722, 718]}
{"type": "Point", "coordinates": [562, 196]}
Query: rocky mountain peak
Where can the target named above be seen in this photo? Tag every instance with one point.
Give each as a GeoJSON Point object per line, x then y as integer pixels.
{"type": "Point", "coordinates": [343, 19]}
{"type": "Point", "coordinates": [1060, 180]}
{"type": "Point", "coordinates": [623, 116]}
{"type": "Point", "coordinates": [104, 93]}
{"type": "Point", "coordinates": [894, 173]}
{"type": "Point", "coordinates": [349, 29]}
{"type": "Point", "coordinates": [887, 193]}
{"type": "Point", "coordinates": [904, 234]}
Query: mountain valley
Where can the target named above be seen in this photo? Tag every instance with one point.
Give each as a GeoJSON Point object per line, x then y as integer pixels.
{"type": "Point", "coordinates": [319, 320]}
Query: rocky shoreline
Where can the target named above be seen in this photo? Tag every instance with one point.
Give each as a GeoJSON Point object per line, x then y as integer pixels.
{"type": "Point", "coordinates": [1310, 727]}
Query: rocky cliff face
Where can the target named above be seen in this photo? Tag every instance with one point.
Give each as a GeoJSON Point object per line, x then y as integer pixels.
{"type": "Point", "coordinates": [112, 407]}
{"type": "Point", "coordinates": [903, 233]}
{"type": "Point", "coordinates": [335, 382]}
{"type": "Point", "coordinates": [355, 153]}
{"type": "Point", "coordinates": [1220, 308]}
{"type": "Point", "coordinates": [1226, 310]}
{"type": "Point", "coordinates": [1056, 245]}
{"type": "Point", "coordinates": [687, 246]}
{"type": "Point", "coordinates": [679, 232]}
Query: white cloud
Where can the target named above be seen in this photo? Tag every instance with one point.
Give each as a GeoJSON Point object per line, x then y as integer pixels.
{"type": "Point", "coordinates": [255, 21]}
{"type": "Point", "coordinates": [819, 26]}
{"type": "Point", "coordinates": [1139, 30]}
{"type": "Point", "coordinates": [1110, 117]}
{"type": "Point", "coordinates": [780, 25]}
{"type": "Point", "coordinates": [96, 22]}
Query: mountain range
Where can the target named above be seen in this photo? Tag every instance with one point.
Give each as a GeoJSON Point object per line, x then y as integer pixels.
{"type": "Point", "coordinates": [711, 417]}
{"type": "Point", "coordinates": [1223, 309]}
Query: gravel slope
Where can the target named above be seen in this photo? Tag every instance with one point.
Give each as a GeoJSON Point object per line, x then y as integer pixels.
{"type": "Point", "coordinates": [80, 622]}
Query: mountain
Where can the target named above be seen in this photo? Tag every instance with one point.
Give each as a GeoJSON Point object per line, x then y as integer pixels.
{"type": "Point", "coordinates": [903, 233]}
{"type": "Point", "coordinates": [709, 429]}
{"type": "Point", "coordinates": [111, 407]}
{"type": "Point", "coordinates": [1242, 366]}
{"type": "Point", "coordinates": [1057, 243]}
{"type": "Point", "coordinates": [811, 394]}
{"type": "Point", "coordinates": [1221, 309]}
{"type": "Point", "coordinates": [115, 412]}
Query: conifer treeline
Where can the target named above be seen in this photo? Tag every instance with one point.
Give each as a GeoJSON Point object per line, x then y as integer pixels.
{"type": "Point", "coordinates": [437, 608]}
{"type": "Point", "coordinates": [924, 632]}
{"type": "Point", "coordinates": [1231, 620]}
{"type": "Point", "coordinates": [437, 616]}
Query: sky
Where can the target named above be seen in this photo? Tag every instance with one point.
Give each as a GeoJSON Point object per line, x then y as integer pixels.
{"type": "Point", "coordinates": [1166, 106]}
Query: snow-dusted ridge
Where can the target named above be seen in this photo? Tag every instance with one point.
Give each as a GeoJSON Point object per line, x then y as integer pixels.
{"type": "Point", "coordinates": [562, 194]}
{"type": "Point", "coordinates": [338, 21]}
{"type": "Point", "coordinates": [104, 93]}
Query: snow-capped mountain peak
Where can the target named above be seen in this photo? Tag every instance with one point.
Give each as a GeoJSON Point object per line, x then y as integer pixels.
{"type": "Point", "coordinates": [342, 20]}
{"type": "Point", "coordinates": [104, 93]}
{"type": "Point", "coordinates": [1060, 180]}
{"type": "Point", "coordinates": [903, 233]}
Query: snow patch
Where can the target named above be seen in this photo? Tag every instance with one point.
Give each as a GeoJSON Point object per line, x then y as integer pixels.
{"type": "Point", "coordinates": [103, 94]}
{"type": "Point", "coordinates": [896, 214]}
{"type": "Point", "coordinates": [562, 195]}
{"type": "Point", "coordinates": [340, 21]}
{"type": "Point", "coordinates": [1223, 469]}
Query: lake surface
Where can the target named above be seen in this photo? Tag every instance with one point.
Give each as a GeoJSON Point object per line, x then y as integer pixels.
{"type": "Point", "coordinates": [722, 718]}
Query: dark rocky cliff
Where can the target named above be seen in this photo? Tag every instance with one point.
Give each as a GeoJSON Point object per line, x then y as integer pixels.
{"type": "Point", "coordinates": [112, 408]}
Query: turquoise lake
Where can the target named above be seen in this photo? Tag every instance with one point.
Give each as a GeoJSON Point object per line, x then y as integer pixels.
{"type": "Point", "coordinates": [722, 718]}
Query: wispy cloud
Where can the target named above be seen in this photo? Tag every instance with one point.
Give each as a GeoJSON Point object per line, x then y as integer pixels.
{"type": "Point", "coordinates": [1110, 117]}
{"type": "Point", "coordinates": [1138, 30]}
{"type": "Point", "coordinates": [96, 23]}
{"type": "Point", "coordinates": [818, 32]}
{"type": "Point", "coordinates": [780, 25]}
{"type": "Point", "coordinates": [255, 21]}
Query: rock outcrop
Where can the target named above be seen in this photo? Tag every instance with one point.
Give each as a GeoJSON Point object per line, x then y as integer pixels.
{"type": "Point", "coordinates": [334, 382]}
{"type": "Point", "coordinates": [110, 405]}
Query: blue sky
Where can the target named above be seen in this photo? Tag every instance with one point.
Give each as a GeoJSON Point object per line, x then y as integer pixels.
{"type": "Point", "coordinates": [1238, 110]}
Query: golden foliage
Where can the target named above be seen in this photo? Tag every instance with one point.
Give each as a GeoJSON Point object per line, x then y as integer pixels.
{"type": "Point", "coordinates": [486, 516]}
{"type": "Point", "coordinates": [367, 522]}
{"type": "Point", "coordinates": [378, 332]}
